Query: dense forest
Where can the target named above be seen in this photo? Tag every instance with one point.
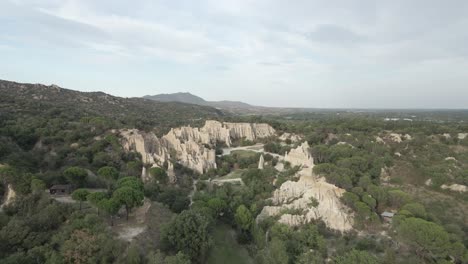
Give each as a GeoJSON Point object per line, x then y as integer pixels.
{"type": "Point", "coordinates": [50, 136]}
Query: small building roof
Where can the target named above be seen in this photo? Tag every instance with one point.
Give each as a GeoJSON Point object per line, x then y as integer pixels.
{"type": "Point", "coordinates": [387, 214]}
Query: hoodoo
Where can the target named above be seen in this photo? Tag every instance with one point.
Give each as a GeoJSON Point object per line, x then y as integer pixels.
{"type": "Point", "coordinates": [188, 145]}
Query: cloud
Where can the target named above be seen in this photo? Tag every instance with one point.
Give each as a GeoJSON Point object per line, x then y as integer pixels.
{"type": "Point", "coordinates": [334, 34]}
{"type": "Point", "coordinates": [309, 46]}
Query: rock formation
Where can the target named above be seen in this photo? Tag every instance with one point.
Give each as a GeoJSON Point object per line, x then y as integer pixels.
{"type": "Point", "coordinates": [299, 195]}
{"type": "Point", "coordinates": [300, 156]}
{"type": "Point", "coordinates": [462, 135]}
{"type": "Point", "coordinates": [291, 136]}
{"type": "Point", "coordinates": [155, 151]}
{"type": "Point", "coordinates": [188, 145]}
{"type": "Point", "coordinates": [398, 138]}
{"type": "Point", "coordinates": [10, 196]}
{"type": "Point", "coordinates": [261, 163]}
{"type": "Point", "coordinates": [171, 173]}
{"type": "Point", "coordinates": [455, 187]}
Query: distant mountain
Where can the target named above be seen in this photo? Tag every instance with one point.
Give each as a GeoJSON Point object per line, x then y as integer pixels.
{"type": "Point", "coordinates": [178, 97]}
{"type": "Point", "coordinates": [22, 99]}
{"type": "Point", "coordinates": [233, 106]}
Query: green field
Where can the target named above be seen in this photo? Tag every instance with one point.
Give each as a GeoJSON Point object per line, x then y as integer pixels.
{"type": "Point", "coordinates": [244, 153]}
{"type": "Point", "coordinates": [233, 175]}
{"type": "Point", "coordinates": [225, 249]}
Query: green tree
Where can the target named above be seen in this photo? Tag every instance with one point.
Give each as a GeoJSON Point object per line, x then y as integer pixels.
{"type": "Point", "coordinates": [159, 175]}
{"type": "Point", "coordinates": [310, 258]}
{"type": "Point", "coordinates": [133, 255]}
{"type": "Point", "coordinates": [111, 207]}
{"type": "Point", "coordinates": [188, 232]}
{"type": "Point", "coordinates": [398, 198]}
{"type": "Point", "coordinates": [356, 257]}
{"type": "Point", "coordinates": [429, 240]}
{"type": "Point", "coordinates": [131, 182]}
{"type": "Point", "coordinates": [109, 174]}
{"type": "Point", "coordinates": [274, 253]}
{"type": "Point", "coordinates": [371, 202]}
{"type": "Point", "coordinates": [37, 185]}
{"type": "Point", "coordinates": [81, 247]}
{"type": "Point", "coordinates": [129, 197]}
{"type": "Point", "coordinates": [95, 198]}
{"type": "Point", "coordinates": [179, 258]}
{"type": "Point", "coordinates": [243, 217]}
{"type": "Point", "coordinates": [217, 205]}
{"type": "Point", "coordinates": [80, 195]}
{"type": "Point", "coordinates": [416, 209]}
{"type": "Point", "coordinates": [76, 176]}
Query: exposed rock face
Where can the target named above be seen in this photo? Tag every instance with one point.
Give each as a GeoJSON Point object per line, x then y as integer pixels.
{"type": "Point", "coordinates": [455, 187]}
{"type": "Point", "coordinates": [300, 156]}
{"type": "Point", "coordinates": [291, 136]}
{"type": "Point", "coordinates": [398, 138]}
{"type": "Point", "coordinates": [187, 145]}
{"type": "Point", "coordinates": [379, 140]}
{"type": "Point", "coordinates": [249, 131]}
{"type": "Point", "coordinates": [189, 150]}
{"type": "Point", "coordinates": [10, 196]}
{"type": "Point", "coordinates": [171, 173]}
{"type": "Point", "coordinates": [462, 135]}
{"type": "Point", "coordinates": [155, 151]}
{"type": "Point", "coordinates": [261, 163]}
{"type": "Point", "coordinates": [297, 195]}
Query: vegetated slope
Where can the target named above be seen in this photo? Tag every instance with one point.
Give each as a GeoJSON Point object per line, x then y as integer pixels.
{"type": "Point", "coordinates": [36, 99]}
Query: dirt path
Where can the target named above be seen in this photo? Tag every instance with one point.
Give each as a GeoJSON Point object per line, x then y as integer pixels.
{"type": "Point", "coordinates": [136, 224]}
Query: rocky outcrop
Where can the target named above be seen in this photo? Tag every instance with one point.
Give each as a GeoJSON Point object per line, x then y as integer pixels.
{"type": "Point", "coordinates": [455, 187]}
{"type": "Point", "coordinates": [290, 136]}
{"type": "Point", "coordinates": [398, 138]}
{"type": "Point", "coordinates": [155, 152]}
{"type": "Point", "coordinates": [299, 195]}
{"type": "Point", "coordinates": [189, 150]}
{"type": "Point", "coordinates": [261, 163]}
{"type": "Point", "coordinates": [189, 146]}
{"type": "Point", "coordinates": [300, 156]}
{"type": "Point", "coordinates": [171, 173]}
{"type": "Point", "coordinates": [10, 196]}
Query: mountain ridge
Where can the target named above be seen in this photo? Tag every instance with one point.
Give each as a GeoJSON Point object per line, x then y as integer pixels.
{"type": "Point", "coordinates": [237, 107]}
{"type": "Point", "coordinates": [26, 98]}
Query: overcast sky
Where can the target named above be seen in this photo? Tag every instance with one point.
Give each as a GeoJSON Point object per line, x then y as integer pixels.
{"type": "Point", "coordinates": [302, 53]}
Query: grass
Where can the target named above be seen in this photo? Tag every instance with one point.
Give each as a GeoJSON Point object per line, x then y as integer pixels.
{"type": "Point", "coordinates": [225, 249]}
{"type": "Point", "coordinates": [232, 175]}
{"type": "Point", "coordinates": [244, 153]}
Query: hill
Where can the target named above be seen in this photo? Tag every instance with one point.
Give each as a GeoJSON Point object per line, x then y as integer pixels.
{"type": "Point", "coordinates": [231, 106]}
{"type": "Point", "coordinates": [178, 97]}
{"type": "Point", "coordinates": [42, 100]}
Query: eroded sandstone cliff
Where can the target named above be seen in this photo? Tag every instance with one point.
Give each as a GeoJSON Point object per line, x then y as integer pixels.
{"type": "Point", "coordinates": [188, 145]}
{"type": "Point", "coordinates": [301, 196]}
{"type": "Point", "coordinates": [300, 156]}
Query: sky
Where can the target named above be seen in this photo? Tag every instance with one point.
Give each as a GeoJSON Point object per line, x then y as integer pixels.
{"type": "Point", "coordinates": [299, 53]}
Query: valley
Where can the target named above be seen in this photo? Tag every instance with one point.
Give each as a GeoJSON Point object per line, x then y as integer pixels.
{"type": "Point", "coordinates": [204, 185]}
